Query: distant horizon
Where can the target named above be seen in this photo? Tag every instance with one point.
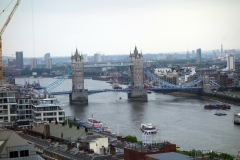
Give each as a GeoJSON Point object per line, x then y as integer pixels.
{"type": "Point", "coordinates": [115, 27]}
{"type": "Point", "coordinates": [180, 52]}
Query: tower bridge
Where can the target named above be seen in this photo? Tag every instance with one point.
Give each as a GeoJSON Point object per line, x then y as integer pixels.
{"type": "Point", "coordinates": [80, 95]}
{"type": "Point", "coordinates": [136, 91]}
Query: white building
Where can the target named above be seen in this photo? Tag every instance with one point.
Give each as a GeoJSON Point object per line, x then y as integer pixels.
{"type": "Point", "coordinates": [97, 57]}
{"type": "Point", "coordinates": [162, 71]}
{"type": "Point", "coordinates": [230, 62]}
{"type": "Point", "coordinates": [85, 58]}
{"type": "Point", "coordinates": [96, 143]}
{"type": "Point", "coordinates": [33, 63]}
{"type": "Point", "coordinates": [49, 63]}
{"type": "Point", "coordinates": [8, 105]}
{"type": "Point", "coordinates": [185, 73]}
{"type": "Point", "coordinates": [182, 74]}
{"type": "Point", "coordinates": [47, 110]}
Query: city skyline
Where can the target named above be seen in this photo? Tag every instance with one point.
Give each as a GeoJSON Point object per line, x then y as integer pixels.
{"type": "Point", "coordinates": [115, 28]}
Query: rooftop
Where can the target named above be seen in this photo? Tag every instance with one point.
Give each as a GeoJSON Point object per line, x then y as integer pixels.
{"type": "Point", "coordinates": [169, 155]}
{"type": "Point", "coordinates": [9, 138]}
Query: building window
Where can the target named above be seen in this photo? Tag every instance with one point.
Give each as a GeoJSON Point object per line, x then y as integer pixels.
{"type": "Point", "coordinates": [14, 154]}
{"type": "Point", "coordinates": [24, 153]}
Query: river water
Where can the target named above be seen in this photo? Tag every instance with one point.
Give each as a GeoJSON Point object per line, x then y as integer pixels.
{"type": "Point", "coordinates": [181, 118]}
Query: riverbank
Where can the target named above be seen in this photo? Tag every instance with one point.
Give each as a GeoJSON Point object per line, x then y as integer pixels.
{"type": "Point", "coordinates": [223, 98]}
{"type": "Point", "coordinates": [217, 97]}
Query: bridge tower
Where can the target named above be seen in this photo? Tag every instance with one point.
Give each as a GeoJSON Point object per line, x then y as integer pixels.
{"type": "Point", "coordinates": [138, 92]}
{"type": "Point", "coordinates": [79, 95]}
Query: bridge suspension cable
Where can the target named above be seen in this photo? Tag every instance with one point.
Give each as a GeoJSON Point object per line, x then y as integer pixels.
{"type": "Point", "coordinates": [57, 83]}
{"type": "Point", "coordinates": [170, 85]}
{"type": "Point", "coordinates": [153, 77]}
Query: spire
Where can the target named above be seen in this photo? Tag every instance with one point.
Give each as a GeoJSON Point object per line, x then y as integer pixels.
{"type": "Point", "coordinates": [76, 51]}
{"type": "Point", "coordinates": [135, 50]}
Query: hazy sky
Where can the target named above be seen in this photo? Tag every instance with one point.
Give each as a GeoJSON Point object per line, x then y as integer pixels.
{"type": "Point", "coordinates": [115, 26]}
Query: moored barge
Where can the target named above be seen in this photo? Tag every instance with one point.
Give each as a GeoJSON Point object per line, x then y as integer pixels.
{"type": "Point", "coordinates": [217, 106]}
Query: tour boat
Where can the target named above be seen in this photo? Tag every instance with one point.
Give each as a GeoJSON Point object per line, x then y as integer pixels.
{"type": "Point", "coordinates": [150, 128]}
{"type": "Point", "coordinates": [106, 130]}
{"type": "Point", "coordinates": [93, 122]}
{"type": "Point", "coordinates": [236, 118]}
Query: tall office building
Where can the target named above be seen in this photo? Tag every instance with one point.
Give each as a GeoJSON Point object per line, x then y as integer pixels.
{"type": "Point", "coordinates": [48, 63]}
{"type": "Point", "coordinates": [199, 56]}
{"type": "Point", "coordinates": [97, 57]}
{"type": "Point", "coordinates": [214, 54]}
{"type": "Point", "coordinates": [230, 62]}
{"type": "Point", "coordinates": [187, 55]}
{"type": "Point", "coordinates": [47, 55]}
{"type": "Point", "coordinates": [85, 58]}
{"type": "Point", "coordinates": [19, 60]}
{"type": "Point", "coordinates": [33, 63]}
{"type": "Point", "coordinates": [221, 49]}
{"type": "Point", "coordinates": [11, 62]}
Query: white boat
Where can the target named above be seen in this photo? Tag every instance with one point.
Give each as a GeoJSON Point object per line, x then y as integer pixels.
{"type": "Point", "coordinates": [149, 92]}
{"type": "Point", "coordinates": [93, 122]}
{"type": "Point", "coordinates": [150, 128]}
{"type": "Point", "coordinates": [106, 130]}
{"type": "Point", "coordinates": [236, 118]}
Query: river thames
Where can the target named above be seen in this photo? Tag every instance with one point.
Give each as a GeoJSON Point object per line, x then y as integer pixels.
{"type": "Point", "coordinates": [181, 118]}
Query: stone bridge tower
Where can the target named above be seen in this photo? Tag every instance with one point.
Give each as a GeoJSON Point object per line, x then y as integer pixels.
{"type": "Point", "coordinates": [138, 92]}
{"type": "Point", "coordinates": [79, 94]}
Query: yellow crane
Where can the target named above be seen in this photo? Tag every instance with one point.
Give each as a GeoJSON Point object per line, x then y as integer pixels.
{"type": "Point", "coordinates": [1, 32]}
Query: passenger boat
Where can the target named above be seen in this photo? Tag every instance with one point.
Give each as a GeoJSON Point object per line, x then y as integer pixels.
{"type": "Point", "coordinates": [150, 128]}
{"type": "Point", "coordinates": [236, 119]}
{"type": "Point", "coordinates": [106, 130]}
{"type": "Point", "coordinates": [93, 122]}
{"type": "Point", "coordinates": [217, 106]}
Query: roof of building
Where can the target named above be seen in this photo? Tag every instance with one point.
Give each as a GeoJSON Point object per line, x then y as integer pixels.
{"type": "Point", "coordinates": [10, 139]}
{"type": "Point", "coordinates": [68, 133]}
{"type": "Point", "coordinates": [91, 137]}
{"type": "Point", "coordinates": [32, 157]}
{"type": "Point", "coordinates": [170, 155]}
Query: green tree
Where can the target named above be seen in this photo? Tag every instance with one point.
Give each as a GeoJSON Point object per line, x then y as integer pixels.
{"type": "Point", "coordinates": [132, 139]}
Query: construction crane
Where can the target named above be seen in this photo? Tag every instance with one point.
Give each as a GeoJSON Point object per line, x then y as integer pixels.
{"type": "Point", "coordinates": [1, 32]}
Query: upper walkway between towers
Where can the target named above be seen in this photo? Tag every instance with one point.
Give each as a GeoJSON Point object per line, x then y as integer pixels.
{"type": "Point", "coordinates": [117, 64]}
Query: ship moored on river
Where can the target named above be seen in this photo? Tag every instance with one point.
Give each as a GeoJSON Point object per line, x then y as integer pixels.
{"type": "Point", "coordinates": [217, 106]}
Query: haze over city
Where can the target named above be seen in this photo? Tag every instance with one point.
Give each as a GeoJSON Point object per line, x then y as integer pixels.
{"type": "Point", "coordinates": [115, 27]}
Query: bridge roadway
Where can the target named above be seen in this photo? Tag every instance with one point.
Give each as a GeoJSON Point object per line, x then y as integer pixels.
{"type": "Point", "coordinates": [93, 91]}
{"type": "Point", "coordinates": [90, 92]}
